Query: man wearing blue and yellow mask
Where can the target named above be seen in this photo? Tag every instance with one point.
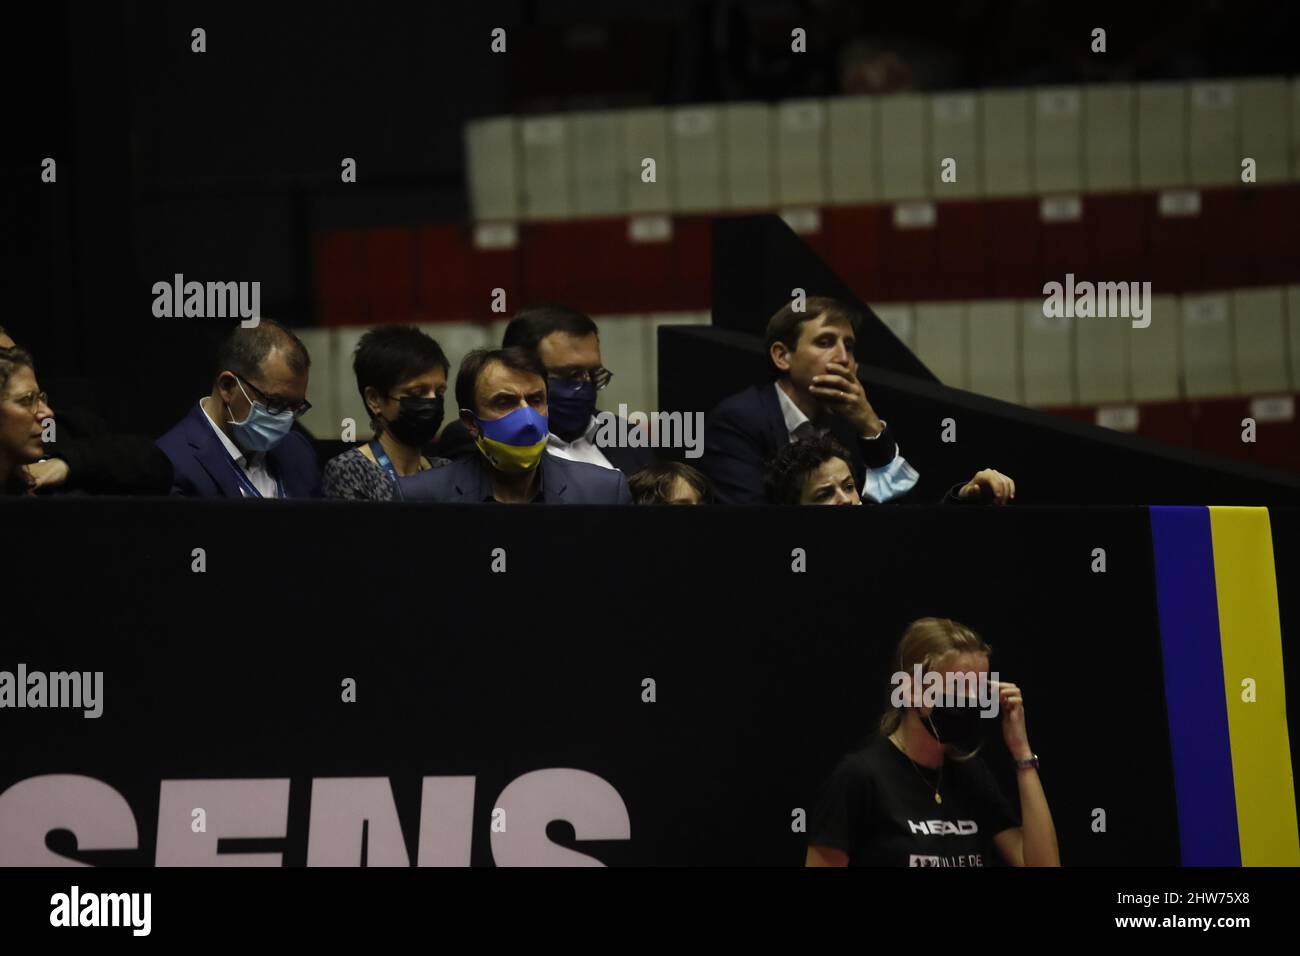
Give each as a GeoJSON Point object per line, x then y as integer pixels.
{"type": "Point", "coordinates": [502, 398]}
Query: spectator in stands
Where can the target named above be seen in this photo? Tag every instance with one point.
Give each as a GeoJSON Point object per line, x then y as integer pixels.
{"type": "Point", "coordinates": [239, 440]}
{"type": "Point", "coordinates": [817, 391]}
{"type": "Point", "coordinates": [567, 343]}
{"type": "Point", "coordinates": [23, 408]}
{"type": "Point", "coordinates": [501, 394]}
{"type": "Point", "coordinates": [82, 455]}
{"type": "Point", "coordinates": [670, 483]}
{"type": "Point", "coordinates": [815, 471]}
{"type": "Point", "coordinates": [402, 377]}
{"type": "Point", "coordinates": [818, 471]}
{"type": "Point", "coordinates": [923, 764]}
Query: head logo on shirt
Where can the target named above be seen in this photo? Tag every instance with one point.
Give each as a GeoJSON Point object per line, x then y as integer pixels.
{"type": "Point", "coordinates": [944, 827]}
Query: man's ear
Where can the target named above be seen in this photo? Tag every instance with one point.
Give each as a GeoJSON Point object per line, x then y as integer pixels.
{"type": "Point", "coordinates": [780, 355]}
{"type": "Point", "coordinates": [372, 399]}
{"type": "Point", "coordinates": [471, 426]}
{"type": "Point", "coordinates": [227, 386]}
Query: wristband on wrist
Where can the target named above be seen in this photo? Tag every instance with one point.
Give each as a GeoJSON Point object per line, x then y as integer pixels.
{"type": "Point", "coordinates": [883, 426]}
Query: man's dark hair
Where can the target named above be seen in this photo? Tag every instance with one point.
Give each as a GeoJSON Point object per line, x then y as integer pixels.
{"type": "Point", "coordinates": [518, 359]}
{"type": "Point", "coordinates": [10, 361]}
{"type": "Point", "coordinates": [392, 354]}
{"type": "Point", "coordinates": [531, 325]}
{"type": "Point", "coordinates": [652, 484]}
{"type": "Point", "coordinates": [790, 467]}
{"type": "Point", "coordinates": [787, 324]}
{"type": "Point", "coordinates": [244, 350]}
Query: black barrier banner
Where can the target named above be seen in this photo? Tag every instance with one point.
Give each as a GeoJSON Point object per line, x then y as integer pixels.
{"type": "Point", "coordinates": [321, 683]}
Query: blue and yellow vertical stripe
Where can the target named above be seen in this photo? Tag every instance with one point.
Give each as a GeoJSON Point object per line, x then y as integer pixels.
{"type": "Point", "coordinates": [1221, 642]}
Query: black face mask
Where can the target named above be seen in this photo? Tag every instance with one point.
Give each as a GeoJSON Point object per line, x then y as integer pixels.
{"type": "Point", "coordinates": [417, 421]}
{"type": "Point", "coordinates": [570, 406]}
{"type": "Point", "coordinates": [960, 726]}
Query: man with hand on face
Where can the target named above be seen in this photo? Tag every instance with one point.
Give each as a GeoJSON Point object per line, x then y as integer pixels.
{"type": "Point", "coordinates": [238, 442]}
{"type": "Point", "coordinates": [502, 398]}
{"type": "Point", "coordinates": [817, 392]}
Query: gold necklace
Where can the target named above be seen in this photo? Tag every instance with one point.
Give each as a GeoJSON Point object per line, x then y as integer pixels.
{"type": "Point", "coordinates": [939, 778]}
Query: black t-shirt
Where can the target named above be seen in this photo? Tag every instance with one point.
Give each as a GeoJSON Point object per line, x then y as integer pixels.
{"type": "Point", "coordinates": [879, 810]}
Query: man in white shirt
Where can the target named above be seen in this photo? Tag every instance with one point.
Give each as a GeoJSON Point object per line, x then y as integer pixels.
{"type": "Point", "coordinates": [568, 344]}
{"type": "Point", "coordinates": [252, 464]}
{"type": "Point", "coordinates": [238, 441]}
{"type": "Point", "coordinates": [817, 392]}
{"type": "Point", "coordinates": [894, 478]}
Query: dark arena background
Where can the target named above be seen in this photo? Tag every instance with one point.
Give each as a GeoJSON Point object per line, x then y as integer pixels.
{"type": "Point", "coordinates": [1068, 240]}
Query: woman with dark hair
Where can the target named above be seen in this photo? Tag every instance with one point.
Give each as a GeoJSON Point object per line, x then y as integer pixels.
{"type": "Point", "coordinates": [918, 793]}
{"type": "Point", "coordinates": [815, 471]}
{"type": "Point", "coordinates": [23, 408]}
{"type": "Point", "coordinates": [402, 377]}
{"type": "Point", "coordinates": [819, 471]}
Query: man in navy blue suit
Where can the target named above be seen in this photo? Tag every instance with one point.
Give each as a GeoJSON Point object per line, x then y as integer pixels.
{"type": "Point", "coordinates": [567, 343]}
{"type": "Point", "coordinates": [816, 392]}
{"type": "Point", "coordinates": [503, 405]}
{"type": "Point", "coordinates": [239, 440]}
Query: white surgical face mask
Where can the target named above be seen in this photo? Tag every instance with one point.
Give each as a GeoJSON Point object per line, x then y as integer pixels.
{"type": "Point", "coordinates": [260, 431]}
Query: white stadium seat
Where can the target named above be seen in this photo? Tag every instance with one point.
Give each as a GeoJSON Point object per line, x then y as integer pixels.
{"type": "Point", "coordinates": [1108, 147]}
{"type": "Point", "coordinates": [1058, 149]}
{"type": "Point", "coordinates": [1006, 143]}
{"type": "Point", "coordinates": [1162, 135]}
{"type": "Point", "coordinates": [853, 145]}
{"type": "Point", "coordinates": [546, 168]}
{"type": "Point", "coordinates": [749, 156]}
{"type": "Point", "coordinates": [993, 331]}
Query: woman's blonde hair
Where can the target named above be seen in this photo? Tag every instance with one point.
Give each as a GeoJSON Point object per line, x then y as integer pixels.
{"type": "Point", "coordinates": [928, 642]}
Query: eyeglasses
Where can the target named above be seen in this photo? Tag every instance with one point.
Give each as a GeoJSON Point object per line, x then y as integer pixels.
{"type": "Point", "coordinates": [31, 401]}
{"type": "Point", "coordinates": [277, 406]}
{"type": "Point", "coordinates": [598, 376]}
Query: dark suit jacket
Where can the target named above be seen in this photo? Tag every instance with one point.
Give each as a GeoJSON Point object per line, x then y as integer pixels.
{"type": "Point", "coordinates": [204, 469]}
{"type": "Point", "coordinates": [455, 443]}
{"type": "Point", "coordinates": [100, 462]}
{"type": "Point", "coordinates": [747, 429]}
{"type": "Point", "coordinates": [564, 482]}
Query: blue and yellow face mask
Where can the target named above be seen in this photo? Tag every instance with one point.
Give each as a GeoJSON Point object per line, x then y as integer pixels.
{"type": "Point", "coordinates": [513, 443]}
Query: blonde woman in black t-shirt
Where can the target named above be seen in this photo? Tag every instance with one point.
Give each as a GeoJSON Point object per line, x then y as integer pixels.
{"type": "Point", "coordinates": [918, 794]}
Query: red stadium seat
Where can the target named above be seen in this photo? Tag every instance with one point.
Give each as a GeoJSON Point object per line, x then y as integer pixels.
{"type": "Point", "coordinates": [692, 274]}
{"type": "Point", "coordinates": [909, 261]}
{"type": "Point", "coordinates": [1268, 234]}
{"type": "Point", "coordinates": [1012, 226]}
{"type": "Point", "coordinates": [1063, 248]}
{"type": "Point", "coordinates": [1169, 422]}
{"type": "Point", "coordinates": [854, 246]}
{"type": "Point", "coordinates": [578, 263]}
{"type": "Point", "coordinates": [1224, 250]}
{"type": "Point", "coordinates": [1175, 247]}
{"type": "Point", "coordinates": [961, 267]}
{"type": "Point", "coordinates": [1116, 226]}
{"type": "Point", "coordinates": [456, 280]}
{"type": "Point", "coordinates": [390, 270]}
{"type": "Point", "coordinates": [340, 293]}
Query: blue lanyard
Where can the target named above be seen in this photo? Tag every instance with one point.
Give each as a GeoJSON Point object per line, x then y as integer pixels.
{"type": "Point", "coordinates": [250, 489]}
{"type": "Point", "coordinates": [386, 463]}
